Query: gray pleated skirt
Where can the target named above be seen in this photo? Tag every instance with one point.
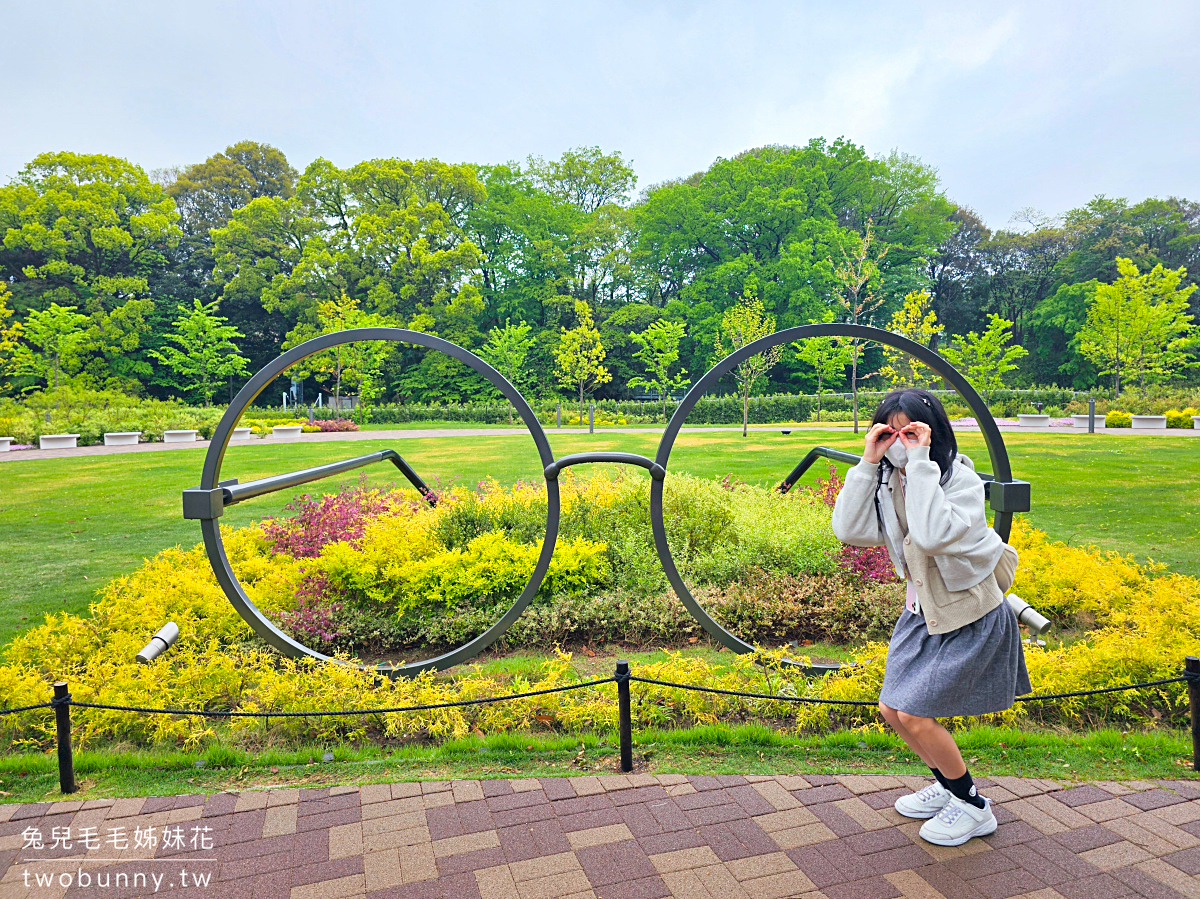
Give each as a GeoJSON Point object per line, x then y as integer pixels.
{"type": "Point", "coordinates": [977, 669]}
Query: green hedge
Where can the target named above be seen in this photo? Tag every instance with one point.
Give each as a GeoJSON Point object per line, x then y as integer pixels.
{"type": "Point", "coordinates": [710, 410]}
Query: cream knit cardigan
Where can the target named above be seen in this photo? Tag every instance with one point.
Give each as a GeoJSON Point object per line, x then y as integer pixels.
{"type": "Point", "coordinates": [950, 551]}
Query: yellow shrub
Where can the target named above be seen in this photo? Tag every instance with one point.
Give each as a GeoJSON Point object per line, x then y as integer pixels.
{"type": "Point", "coordinates": [1061, 581]}
{"type": "Point", "coordinates": [1147, 622]}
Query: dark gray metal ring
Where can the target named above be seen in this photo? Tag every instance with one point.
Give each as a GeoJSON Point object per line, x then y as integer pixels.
{"type": "Point", "coordinates": [211, 477]}
{"type": "Point", "coordinates": [987, 424]}
{"type": "Point", "coordinates": [656, 471]}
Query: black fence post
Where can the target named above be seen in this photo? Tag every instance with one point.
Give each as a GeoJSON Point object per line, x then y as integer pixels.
{"type": "Point", "coordinates": [66, 759]}
{"type": "Point", "coordinates": [1192, 666]}
{"type": "Point", "coordinates": [1091, 415]}
{"type": "Point", "coordinates": [626, 718]}
{"type": "Point", "coordinates": [591, 418]}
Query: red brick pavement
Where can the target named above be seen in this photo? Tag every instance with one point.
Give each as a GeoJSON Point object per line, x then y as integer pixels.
{"type": "Point", "coordinates": [613, 837]}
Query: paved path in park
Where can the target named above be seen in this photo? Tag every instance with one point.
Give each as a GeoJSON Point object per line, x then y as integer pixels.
{"type": "Point", "coordinates": [417, 434]}
{"type": "Point", "coordinates": [612, 837]}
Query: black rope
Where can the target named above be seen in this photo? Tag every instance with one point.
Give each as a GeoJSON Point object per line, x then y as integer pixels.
{"type": "Point", "coordinates": [341, 712]}
{"type": "Point", "coordinates": [1187, 676]}
{"type": "Point", "coordinates": [863, 702]}
{"type": "Point", "coordinates": [812, 699]}
{"type": "Point", "coordinates": [27, 708]}
{"type": "Point", "coordinates": [1152, 683]}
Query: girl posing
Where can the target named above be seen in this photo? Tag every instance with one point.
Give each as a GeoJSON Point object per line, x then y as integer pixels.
{"type": "Point", "coordinates": [956, 649]}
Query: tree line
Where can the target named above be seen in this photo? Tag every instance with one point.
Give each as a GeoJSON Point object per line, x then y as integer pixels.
{"type": "Point", "coordinates": [184, 281]}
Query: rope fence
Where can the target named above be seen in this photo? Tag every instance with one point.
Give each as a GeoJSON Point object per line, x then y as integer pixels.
{"type": "Point", "coordinates": [62, 704]}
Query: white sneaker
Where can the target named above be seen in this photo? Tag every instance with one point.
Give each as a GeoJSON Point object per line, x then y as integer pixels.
{"type": "Point", "coordinates": [925, 804]}
{"type": "Point", "coordinates": [958, 822]}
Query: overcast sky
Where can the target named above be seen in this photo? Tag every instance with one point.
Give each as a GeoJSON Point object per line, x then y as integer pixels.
{"type": "Point", "coordinates": [1017, 104]}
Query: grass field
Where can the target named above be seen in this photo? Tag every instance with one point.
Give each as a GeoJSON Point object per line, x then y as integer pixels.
{"type": "Point", "coordinates": [713, 749]}
{"type": "Point", "coordinates": [67, 525]}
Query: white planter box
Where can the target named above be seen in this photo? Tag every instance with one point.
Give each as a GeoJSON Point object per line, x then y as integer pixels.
{"type": "Point", "coordinates": [241, 434]}
{"type": "Point", "coordinates": [179, 436]}
{"type": "Point", "coordinates": [122, 438]}
{"type": "Point", "coordinates": [1034, 421]}
{"type": "Point", "coordinates": [1195, 423]}
{"type": "Point", "coordinates": [58, 441]}
{"type": "Point", "coordinates": [6, 443]}
{"type": "Point", "coordinates": [1081, 421]}
{"type": "Point", "coordinates": [1149, 422]}
{"type": "Point", "coordinates": [287, 431]}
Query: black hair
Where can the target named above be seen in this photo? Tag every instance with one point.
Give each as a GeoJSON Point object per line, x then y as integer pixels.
{"type": "Point", "coordinates": [921, 405]}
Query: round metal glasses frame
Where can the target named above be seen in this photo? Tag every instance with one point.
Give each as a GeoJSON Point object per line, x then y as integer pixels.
{"type": "Point", "coordinates": [207, 502]}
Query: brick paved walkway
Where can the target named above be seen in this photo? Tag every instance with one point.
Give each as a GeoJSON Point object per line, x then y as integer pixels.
{"type": "Point", "coordinates": [641, 837]}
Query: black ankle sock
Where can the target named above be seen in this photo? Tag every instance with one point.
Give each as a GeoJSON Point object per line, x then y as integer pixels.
{"type": "Point", "coordinates": [964, 788]}
{"type": "Point", "coordinates": [941, 778]}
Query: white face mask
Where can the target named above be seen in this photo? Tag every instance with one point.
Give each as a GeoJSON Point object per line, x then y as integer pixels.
{"type": "Point", "coordinates": [897, 454]}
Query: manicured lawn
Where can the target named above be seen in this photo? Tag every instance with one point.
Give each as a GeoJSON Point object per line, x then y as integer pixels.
{"type": "Point", "coordinates": [714, 749]}
{"type": "Point", "coordinates": [68, 525]}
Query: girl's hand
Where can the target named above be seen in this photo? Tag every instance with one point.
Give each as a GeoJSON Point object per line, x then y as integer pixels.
{"type": "Point", "coordinates": [915, 433]}
{"type": "Point", "coordinates": [879, 438]}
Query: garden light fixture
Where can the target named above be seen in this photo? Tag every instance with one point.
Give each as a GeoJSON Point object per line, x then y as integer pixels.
{"type": "Point", "coordinates": [159, 643]}
{"type": "Point", "coordinates": [1028, 615]}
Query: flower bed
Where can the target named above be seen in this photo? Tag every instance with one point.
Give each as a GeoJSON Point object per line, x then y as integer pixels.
{"type": "Point", "coordinates": [381, 568]}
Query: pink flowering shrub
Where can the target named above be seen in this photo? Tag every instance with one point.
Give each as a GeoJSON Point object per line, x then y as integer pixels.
{"type": "Point", "coordinates": [869, 562]}
{"type": "Point", "coordinates": [326, 519]}
{"type": "Point", "coordinates": [314, 617]}
{"type": "Point", "coordinates": [335, 424]}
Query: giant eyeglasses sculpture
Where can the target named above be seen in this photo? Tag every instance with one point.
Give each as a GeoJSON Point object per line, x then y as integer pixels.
{"type": "Point", "coordinates": [207, 502]}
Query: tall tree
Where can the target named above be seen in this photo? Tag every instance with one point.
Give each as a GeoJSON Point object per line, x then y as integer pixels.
{"type": "Point", "coordinates": [52, 338]}
{"type": "Point", "coordinates": [83, 230]}
{"type": "Point", "coordinates": [659, 352]}
{"type": "Point", "coordinates": [1137, 326]}
{"type": "Point", "coordinates": [206, 355]}
{"type": "Point", "coordinates": [580, 355]}
{"type": "Point", "coordinates": [1021, 269]}
{"type": "Point", "coordinates": [10, 340]}
{"type": "Point", "coordinates": [780, 217]}
{"type": "Point", "coordinates": [506, 349]}
{"type": "Point", "coordinates": [741, 325]}
{"type": "Point", "coordinates": [828, 359]}
{"type": "Point", "coordinates": [207, 194]}
{"type": "Point", "coordinates": [859, 274]}
{"type": "Point", "coordinates": [984, 359]}
{"type": "Point", "coordinates": [355, 364]}
{"type": "Point", "coordinates": [585, 177]}
{"type": "Point", "coordinates": [954, 270]}
{"type": "Point", "coordinates": [917, 321]}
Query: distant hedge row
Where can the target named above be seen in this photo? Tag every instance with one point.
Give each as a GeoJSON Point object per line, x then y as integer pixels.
{"type": "Point", "coordinates": [710, 410]}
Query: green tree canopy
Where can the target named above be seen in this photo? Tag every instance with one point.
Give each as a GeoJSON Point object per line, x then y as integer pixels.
{"type": "Point", "coordinates": [985, 359]}
{"type": "Point", "coordinates": [741, 325]}
{"type": "Point", "coordinates": [658, 353]}
{"type": "Point", "coordinates": [83, 230]}
{"type": "Point", "coordinates": [1137, 326]}
{"type": "Point", "coordinates": [205, 355]}
{"type": "Point", "coordinates": [580, 355]}
{"type": "Point", "coordinates": [52, 340]}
